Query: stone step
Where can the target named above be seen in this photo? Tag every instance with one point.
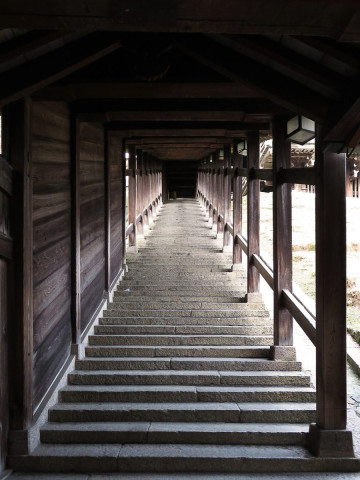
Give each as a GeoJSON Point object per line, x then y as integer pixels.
{"type": "Point", "coordinates": [197, 363]}
{"type": "Point", "coordinates": [163, 296]}
{"type": "Point", "coordinates": [198, 313]}
{"type": "Point", "coordinates": [181, 340]}
{"type": "Point", "coordinates": [174, 297]}
{"type": "Point", "coordinates": [191, 305]}
{"type": "Point", "coordinates": [161, 433]}
{"type": "Point", "coordinates": [187, 393]}
{"type": "Point", "coordinates": [178, 351]}
{"type": "Point", "coordinates": [185, 288]}
{"type": "Point", "coordinates": [179, 458]}
{"type": "Point", "coordinates": [184, 412]}
{"type": "Point", "coordinates": [182, 330]}
{"type": "Point", "coordinates": [190, 321]}
{"type": "Point", "coordinates": [187, 377]}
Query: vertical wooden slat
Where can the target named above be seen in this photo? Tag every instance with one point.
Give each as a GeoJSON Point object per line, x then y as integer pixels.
{"type": "Point", "coordinates": [4, 387]}
{"type": "Point", "coordinates": [132, 194]}
{"type": "Point", "coordinates": [282, 241]}
{"type": "Point", "coordinates": [227, 194]}
{"type": "Point", "coordinates": [21, 326]}
{"type": "Point", "coordinates": [237, 207]}
{"type": "Point", "coordinates": [75, 231]}
{"type": "Point", "coordinates": [145, 188]}
{"type": "Point", "coordinates": [107, 176]}
{"type": "Point", "coordinates": [253, 226]}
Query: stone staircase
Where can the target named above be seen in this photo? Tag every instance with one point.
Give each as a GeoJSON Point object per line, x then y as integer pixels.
{"type": "Point", "coordinates": [177, 376]}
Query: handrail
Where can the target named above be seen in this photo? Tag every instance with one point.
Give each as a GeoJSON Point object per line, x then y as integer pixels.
{"type": "Point", "coordinates": [229, 228]}
{"type": "Point", "coordinates": [264, 270]}
{"type": "Point", "coordinates": [239, 239]}
{"type": "Point", "coordinates": [301, 315]}
{"type": "Point", "coordinates": [130, 228]}
{"type": "Point", "coordinates": [298, 310]}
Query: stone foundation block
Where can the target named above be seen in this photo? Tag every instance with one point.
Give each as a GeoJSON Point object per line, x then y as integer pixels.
{"type": "Point", "coordinates": [330, 443]}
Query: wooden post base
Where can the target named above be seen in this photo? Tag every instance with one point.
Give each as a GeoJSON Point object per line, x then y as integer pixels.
{"type": "Point", "coordinates": [282, 353]}
{"type": "Point", "coordinates": [330, 443]}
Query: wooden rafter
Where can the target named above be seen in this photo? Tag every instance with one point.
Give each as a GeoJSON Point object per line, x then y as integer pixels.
{"type": "Point", "coordinates": [49, 68]}
{"type": "Point", "coordinates": [295, 66]}
{"type": "Point", "coordinates": [263, 80]}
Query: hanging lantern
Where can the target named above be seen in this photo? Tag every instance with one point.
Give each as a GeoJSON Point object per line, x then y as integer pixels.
{"type": "Point", "coordinates": [300, 129]}
{"type": "Point", "coordinates": [242, 147]}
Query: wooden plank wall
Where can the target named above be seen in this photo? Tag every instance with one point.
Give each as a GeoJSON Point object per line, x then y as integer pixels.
{"type": "Point", "coordinates": [4, 388]}
{"type": "Point", "coordinates": [52, 246]}
{"type": "Point", "coordinates": [117, 200]}
{"type": "Point", "coordinates": [92, 218]}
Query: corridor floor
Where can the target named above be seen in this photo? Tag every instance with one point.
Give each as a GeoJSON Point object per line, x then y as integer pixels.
{"type": "Point", "coordinates": [181, 352]}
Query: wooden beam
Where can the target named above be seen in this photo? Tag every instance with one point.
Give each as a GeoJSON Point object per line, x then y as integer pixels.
{"type": "Point", "coordinates": [26, 43]}
{"type": "Point", "coordinates": [282, 236]}
{"type": "Point", "coordinates": [183, 131]}
{"type": "Point", "coordinates": [266, 82]}
{"type": "Point", "coordinates": [113, 91]}
{"type": "Point", "coordinates": [290, 63]}
{"type": "Point", "coordinates": [36, 74]}
{"type": "Point", "coordinates": [21, 327]}
{"type": "Point", "coordinates": [181, 116]}
{"type": "Point", "coordinates": [262, 174]}
{"type": "Point", "coordinates": [323, 18]}
{"type": "Point", "coordinates": [346, 129]}
{"type": "Point", "coordinates": [253, 213]}
{"type": "Point", "coordinates": [304, 176]}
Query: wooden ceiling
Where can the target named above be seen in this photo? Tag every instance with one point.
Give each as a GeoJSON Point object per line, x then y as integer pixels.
{"type": "Point", "coordinates": [180, 78]}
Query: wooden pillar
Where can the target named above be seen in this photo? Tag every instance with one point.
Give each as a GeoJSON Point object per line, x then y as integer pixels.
{"type": "Point", "coordinates": [211, 189]}
{"type": "Point", "coordinates": [75, 231]}
{"type": "Point", "coordinates": [329, 437]}
{"type": "Point", "coordinates": [227, 243]}
{"type": "Point", "coordinates": [253, 214]}
{"type": "Point", "coordinates": [215, 209]}
{"type": "Point", "coordinates": [139, 192]}
{"type": "Point", "coordinates": [282, 244]}
{"type": "Point", "coordinates": [18, 117]}
{"type": "Point", "coordinates": [132, 194]}
{"type": "Point", "coordinates": [145, 184]}
{"type": "Point", "coordinates": [237, 208]}
{"type": "Point", "coordinates": [220, 203]}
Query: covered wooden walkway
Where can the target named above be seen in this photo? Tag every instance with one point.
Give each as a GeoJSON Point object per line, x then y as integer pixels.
{"type": "Point", "coordinates": [109, 110]}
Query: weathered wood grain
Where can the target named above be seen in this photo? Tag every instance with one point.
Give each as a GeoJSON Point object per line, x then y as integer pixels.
{"type": "Point", "coordinates": [52, 240]}
{"type": "Point", "coordinates": [92, 218]}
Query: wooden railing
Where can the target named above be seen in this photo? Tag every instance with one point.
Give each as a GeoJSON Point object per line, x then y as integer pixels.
{"type": "Point", "coordinates": [209, 176]}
